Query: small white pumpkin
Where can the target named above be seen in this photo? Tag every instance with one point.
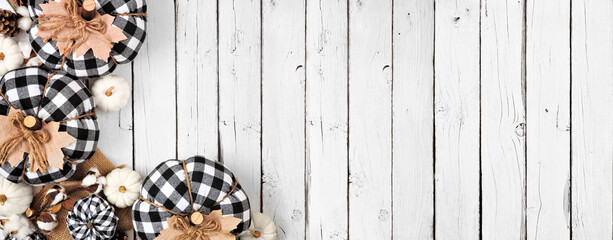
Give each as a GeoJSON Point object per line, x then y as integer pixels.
{"type": "Point", "coordinates": [111, 93]}
{"type": "Point", "coordinates": [15, 198]}
{"type": "Point", "coordinates": [10, 55]}
{"type": "Point", "coordinates": [122, 187]}
{"type": "Point", "coordinates": [262, 228]}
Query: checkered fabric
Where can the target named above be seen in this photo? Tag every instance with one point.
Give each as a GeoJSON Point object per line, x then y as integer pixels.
{"type": "Point", "coordinates": [96, 210]}
{"type": "Point", "coordinates": [88, 66]}
{"type": "Point", "coordinates": [66, 98]}
{"type": "Point", "coordinates": [33, 236]}
{"type": "Point", "coordinates": [166, 186]}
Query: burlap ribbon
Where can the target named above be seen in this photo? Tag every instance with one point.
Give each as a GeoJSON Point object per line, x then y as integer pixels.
{"type": "Point", "coordinates": [76, 191]}
{"type": "Point", "coordinates": [35, 139]}
{"type": "Point", "coordinates": [193, 232]}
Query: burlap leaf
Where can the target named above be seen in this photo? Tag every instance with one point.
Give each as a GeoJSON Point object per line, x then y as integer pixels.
{"type": "Point", "coordinates": [58, 25]}
{"type": "Point", "coordinates": [53, 148]}
{"type": "Point", "coordinates": [227, 224]}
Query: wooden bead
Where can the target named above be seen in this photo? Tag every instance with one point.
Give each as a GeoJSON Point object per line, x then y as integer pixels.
{"type": "Point", "coordinates": [197, 218]}
{"type": "Point", "coordinates": [88, 11]}
{"type": "Point", "coordinates": [32, 123]}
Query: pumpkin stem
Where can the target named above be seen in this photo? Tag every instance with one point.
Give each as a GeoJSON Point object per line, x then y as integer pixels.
{"type": "Point", "coordinates": [88, 11]}
{"type": "Point", "coordinates": [256, 234]}
{"type": "Point", "coordinates": [109, 92]}
{"type": "Point", "coordinates": [122, 189]}
{"type": "Point", "coordinates": [2, 56]}
{"type": "Point", "coordinates": [2, 199]}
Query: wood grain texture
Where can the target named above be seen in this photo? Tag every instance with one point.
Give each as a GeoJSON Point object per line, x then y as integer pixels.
{"type": "Point", "coordinates": [370, 118]}
{"type": "Point", "coordinates": [326, 114]}
{"type": "Point", "coordinates": [116, 127]}
{"type": "Point", "coordinates": [592, 128]}
{"type": "Point", "coordinates": [155, 131]}
{"type": "Point", "coordinates": [413, 121]}
{"type": "Point", "coordinates": [457, 120]}
{"type": "Point", "coordinates": [283, 115]}
{"type": "Point", "coordinates": [503, 120]}
{"type": "Point", "coordinates": [196, 45]}
{"type": "Point", "coordinates": [239, 90]}
{"type": "Point", "coordinates": [548, 119]}
{"type": "Point", "coordinates": [365, 119]}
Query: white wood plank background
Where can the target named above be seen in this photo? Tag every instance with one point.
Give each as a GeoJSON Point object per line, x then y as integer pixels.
{"type": "Point", "coordinates": [388, 119]}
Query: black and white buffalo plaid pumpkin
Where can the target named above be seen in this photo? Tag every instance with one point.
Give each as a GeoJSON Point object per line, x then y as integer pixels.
{"type": "Point", "coordinates": [65, 98]}
{"type": "Point", "coordinates": [213, 187]}
{"type": "Point", "coordinates": [92, 218]}
{"type": "Point", "coordinates": [88, 66]}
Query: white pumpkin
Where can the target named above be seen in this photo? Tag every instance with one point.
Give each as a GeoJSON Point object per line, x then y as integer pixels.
{"type": "Point", "coordinates": [122, 187]}
{"type": "Point", "coordinates": [111, 93]}
{"type": "Point", "coordinates": [262, 228]}
{"type": "Point", "coordinates": [15, 198]}
{"type": "Point", "coordinates": [10, 55]}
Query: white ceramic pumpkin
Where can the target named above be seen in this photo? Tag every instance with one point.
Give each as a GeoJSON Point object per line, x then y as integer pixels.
{"type": "Point", "coordinates": [122, 187]}
{"type": "Point", "coordinates": [15, 198]}
{"type": "Point", "coordinates": [10, 55]}
{"type": "Point", "coordinates": [111, 93]}
{"type": "Point", "coordinates": [262, 228]}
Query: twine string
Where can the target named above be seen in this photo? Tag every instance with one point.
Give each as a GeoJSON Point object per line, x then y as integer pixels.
{"type": "Point", "coordinates": [202, 231]}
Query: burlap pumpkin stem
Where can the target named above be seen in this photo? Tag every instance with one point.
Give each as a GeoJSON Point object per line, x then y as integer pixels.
{"type": "Point", "coordinates": [8, 23]}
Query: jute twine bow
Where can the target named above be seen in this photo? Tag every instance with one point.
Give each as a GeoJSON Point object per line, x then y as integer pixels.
{"type": "Point", "coordinates": [81, 27]}
{"type": "Point", "coordinates": [197, 232]}
{"type": "Point", "coordinates": [36, 139]}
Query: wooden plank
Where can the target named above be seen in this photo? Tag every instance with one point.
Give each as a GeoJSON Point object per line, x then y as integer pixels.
{"type": "Point", "coordinates": [283, 115]}
{"type": "Point", "coordinates": [548, 119]}
{"type": "Point", "coordinates": [457, 120]}
{"type": "Point", "coordinates": [370, 118]}
{"type": "Point", "coordinates": [503, 120]}
{"type": "Point", "coordinates": [239, 93]}
{"type": "Point", "coordinates": [116, 127]}
{"type": "Point", "coordinates": [592, 130]}
{"type": "Point", "coordinates": [197, 78]}
{"type": "Point", "coordinates": [326, 114]}
{"type": "Point", "coordinates": [154, 90]}
{"type": "Point", "coordinates": [413, 144]}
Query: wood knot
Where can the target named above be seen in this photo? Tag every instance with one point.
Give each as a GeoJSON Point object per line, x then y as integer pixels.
{"type": "Point", "coordinates": [122, 189]}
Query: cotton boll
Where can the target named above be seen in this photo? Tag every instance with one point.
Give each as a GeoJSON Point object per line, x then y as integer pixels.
{"type": "Point", "coordinates": [56, 195]}
{"type": "Point", "coordinates": [111, 93]}
{"type": "Point", "coordinates": [23, 41]}
{"type": "Point", "coordinates": [46, 222]}
{"type": "Point", "coordinates": [19, 226]}
{"type": "Point", "coordinates": [25, 22]}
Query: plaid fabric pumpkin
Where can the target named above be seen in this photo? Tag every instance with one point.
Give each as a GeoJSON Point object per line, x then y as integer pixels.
{"type": "Point", "coordinates": [166, 186]}
{"type": "Point", "coordinates": [88, 66]}
{"type": "Point", "coordinates": [92, 218]}
{"type": "Point", "coordinates": [65, 98]}
{"type": "Point", "coordinates": [34, 236]}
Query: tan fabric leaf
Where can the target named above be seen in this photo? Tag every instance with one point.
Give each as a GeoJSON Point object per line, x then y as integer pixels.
{"type": "Point", "coordinates": [75, 35]}
{"type": "Point", "coordinates": [170, 233]}
{"type": "Point", "coordinates": [59, 140]}
{"type": "Point", "coordinates": [8, 130]}
{"type": "Point", "coordinates": [53, 7]}
{"type": "Point", "coordinates": [228, 223]}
